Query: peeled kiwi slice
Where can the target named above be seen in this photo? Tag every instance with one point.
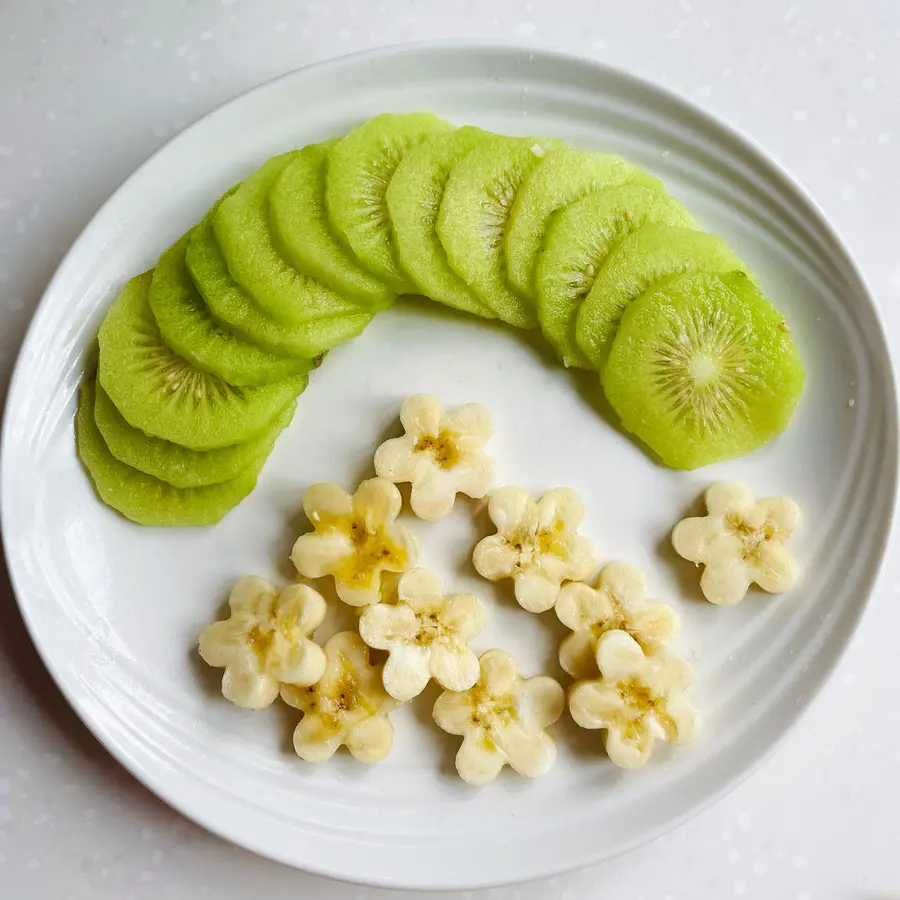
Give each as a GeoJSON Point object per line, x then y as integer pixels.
{"type": "Point", "coordinates": [579, 239]}
{"type": "Point", "coordinates": [300, 225]}
{"type": "Point", "coordinates": [360, 168]}
{"type": "Point", "coordinates": [177, 465]}
{"type": "Point", "coordinates": [649, 254]}
{"type": "Point", "coordinates": [556, 181]}
{"type": "Point", "coordinates": [241, 226]}
{"type": "Point", "coordinates": [413, 200]}
{"type": "Point", "coordinates": [188, 328]}
{"type": "Point", "coordinates": [235, 308]}
{"type": "Point", "coordinates": [474, 216]}
{"type": "Point", "coordinates": [703, 369]}
{"type": "Point", "coordinates": [141, 497]}
{"type": "Point", "coordinates": [163, 395]}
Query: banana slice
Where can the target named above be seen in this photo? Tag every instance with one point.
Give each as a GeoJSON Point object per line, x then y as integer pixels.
{"type": "Point", "coordinates": [265, 642]}
{"type": "Point", "coordinates": [537, 545]}
{"type": "Point", "coordinates": [740, 542]}
{"type": "Point", "coordinates": [617, 602]}
{"type": "Point", "coordinates": [426, 635]}
{"type": "Point", "coordinates": [348, 705]}
{"type": "Point", "coordinates": [502, 721]}
{"type": "Point", "coordinates": [356, 539]}
{"type": "Point", "coordinates": [441, 454]}
{"type": "Point", "coordinates": [638, 700]}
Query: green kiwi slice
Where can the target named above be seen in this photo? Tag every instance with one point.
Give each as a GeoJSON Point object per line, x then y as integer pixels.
{"type": "Point", "coordinates": [141, 497]}
{"type": "Point", "coordinates": [360, 168]}
{"type": "Point", "coordinates": [703, 369]}
{"type": "Point", "coordinates": [474, 216]}
{"type": "Point", "coordinates": [299, 222]}
{"type": "Point", "coordinates": [189, 329]}
{"type": "Point", "coordinates": [579, 239]}
{"type": "Point", "coordinates": [177, 465]}
{"type": "Point", "coordinates": [163, 395]}
{"type": "Point", "coordinates": [413, 200]}
{"type": "Point", "coordinates": [649, 254]}
{"type": "Point", "coordinates": [556, 181]}
{"type": "Point", "coordinates": [241, 226]}
{"type": "Point", "coordinates": [235, 308]}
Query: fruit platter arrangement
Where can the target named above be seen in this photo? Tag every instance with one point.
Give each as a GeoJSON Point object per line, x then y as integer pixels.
{"type": "Point", "coordinates": [203, 359]}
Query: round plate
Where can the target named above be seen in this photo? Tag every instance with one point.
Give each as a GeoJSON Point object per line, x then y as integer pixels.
{"type": "Point", "coordinates": [115, 609]}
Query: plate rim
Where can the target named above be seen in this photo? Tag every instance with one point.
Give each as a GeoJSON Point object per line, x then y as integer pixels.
{"type": "Point", "coordinates": [105, 735]}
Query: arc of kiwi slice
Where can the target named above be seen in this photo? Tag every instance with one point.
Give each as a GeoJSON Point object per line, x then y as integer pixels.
{"type": "Point", "coordinates": [241, 226]}
{"type": "Point", "coordinates": [474, 216]}
{"type": "Point", "coordinates": [235, 308]}
{"type": "Point", "coordinates": [579, 239]}
{"type": "Point", "coordinates": [359, 171]}
{"type": "Point", "coordinates": [164, 395]}
{"type": "Point", "coordinates": [413, 200]}
{"type": "Point", "coordinates": [703, 369]}
{"type": "Point", "coordinates": [143, 498]}
{"type": "Point", "coordinates": [177, 465]}
{"type": "Point", "coordinates": [188, 328]}
{"type": "Point", "coordinates": [644, 257]}
{"type": "Point", "coordinates": [299, 221]}
{"type": "Point", "coordinates": [556, 181]}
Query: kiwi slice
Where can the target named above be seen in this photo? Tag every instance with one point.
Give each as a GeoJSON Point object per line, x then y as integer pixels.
{"type": "Point", "coordinates": [241, 227]}
{"type": "Point", "coordinates": [703, 369]}
{"type": "Point", "coordinates": [579, 239]}
{"type": "Point", "coordinates": [177, 465]}
{"type": "Point", "coordinates": [648, 255]}
{"type": "Point", "coordinates": [300, 225]}
{"type": "Point", "coordinates": [235, 308]}
{"type": "Point", "coordinates": [188, 328]}
{"type": "Point", "coordinates": [474, 216]}
{"type": "Point", "coordinates": [141, 497]}
{"type": "Point", "coordinates": [163, 395]}
{"type": "Point", "coordinates": [360, 168]}
{"type": "Point", "coordinates": [556, 181]}
{"type": "Point", "coordinates": [413, 200]}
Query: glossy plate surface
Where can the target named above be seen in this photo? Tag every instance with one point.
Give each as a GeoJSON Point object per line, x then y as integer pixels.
{"type": "Point", "coordinates": [115, 609]}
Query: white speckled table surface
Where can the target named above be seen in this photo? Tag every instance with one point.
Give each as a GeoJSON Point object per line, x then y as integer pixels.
{"type": "Point", "coordinates": [89, 88]}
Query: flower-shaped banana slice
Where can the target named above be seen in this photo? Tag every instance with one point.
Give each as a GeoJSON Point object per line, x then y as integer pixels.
{"type": "Point", "coordinates": [617, 602]}
{"type": "Point", "coordinates": [537, 544]}
{"type": "Point", "coordinates": [740, 542]}
{"type": "Point", "coordinates": [426, 635]}
{"type": "Point", "coordinates": [441, 454]}
{"type": "Point", "coordinates": [502, 720]}
{"type": "Point", "coordinates": [638, 700]}
{"type": "Point", "coordinates": [356, 538]}
{"type": "Point", "coordinates": [348, 705]}
{"type": "Point", "coordinates": [265, 642]}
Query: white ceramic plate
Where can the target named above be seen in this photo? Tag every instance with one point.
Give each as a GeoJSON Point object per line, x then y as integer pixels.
{"type": "Point", "coordinates": [115, 609]}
